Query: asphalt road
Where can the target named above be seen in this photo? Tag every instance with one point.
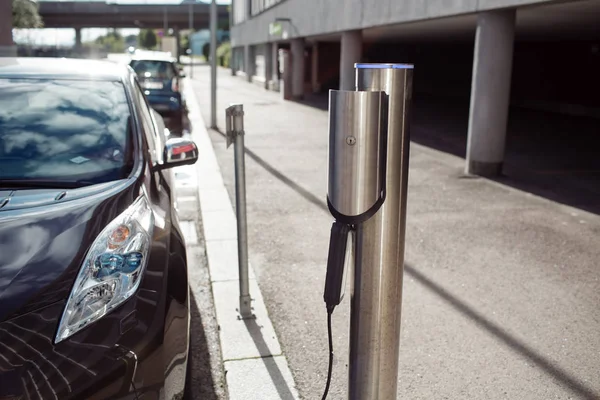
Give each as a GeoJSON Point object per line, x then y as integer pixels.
{"type": "Point", "coordinates": [501, 291]}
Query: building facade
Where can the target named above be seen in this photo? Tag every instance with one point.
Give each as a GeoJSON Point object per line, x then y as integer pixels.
{"type": "Point", "coordinates": [494, 52]}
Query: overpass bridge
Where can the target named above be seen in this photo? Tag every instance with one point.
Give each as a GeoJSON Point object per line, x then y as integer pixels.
{"type": "Point", "coordinates": [100, 14]}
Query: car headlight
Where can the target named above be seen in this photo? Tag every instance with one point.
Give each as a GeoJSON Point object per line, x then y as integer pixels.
{"type": "Point", "coordinates": [112, 269]}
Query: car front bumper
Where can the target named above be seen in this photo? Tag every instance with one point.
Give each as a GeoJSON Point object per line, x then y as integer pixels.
{"type": "Point", "coordinates": [124, 355]}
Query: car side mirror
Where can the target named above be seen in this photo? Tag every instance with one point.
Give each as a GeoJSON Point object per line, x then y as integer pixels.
{"type": "Point", "coordinates": [178, 152]}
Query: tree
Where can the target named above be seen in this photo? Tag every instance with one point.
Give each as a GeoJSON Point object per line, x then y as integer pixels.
{"type": "Point", "coordinates": [131, 40]}
{"type": "Point", "coordinates": [111, 42]}
{"type": "Point", "coordinates": [223, 24]}
{"type": "Point", "coordinates": [25, 14]}
{"type": "Point", "coordinates": [185, 43]}
{"type": "Point", "coordinates": [206, 51]}
{"type": "Point", "coordinates": [147, 39]}
{"type": "Point", "coordinates": [224, 54]}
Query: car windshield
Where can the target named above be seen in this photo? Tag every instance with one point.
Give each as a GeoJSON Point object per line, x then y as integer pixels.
{"type": "Point", "coordinates": [63, 130]}
{"type": "Point", "coordinates": [153, 69]}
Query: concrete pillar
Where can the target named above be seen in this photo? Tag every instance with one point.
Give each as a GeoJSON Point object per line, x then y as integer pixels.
{"type": "Point", "coordinates": [274, 85]}
{"type": "Point", "coordinates": [285, 64]}
{"type": "Point", "coordinates": [351, 52]}
{"type": "Point", "coordinates": [314, 70]}
{"type": "Point", "coordinates": [268, 53]}
{"type": "Point", "coordinates": [177, 43]}
{"type": "Point", "coordinates": [7, 47]}
{"type": "Point", "coordinates": [165, 22]}
{"type": "Point", "coordinates": [297, 47]}
{"type": "Point", "coordinates": [249, 62]}
{"type": "Point", "coordinates": [78, 44]}
{"type": "Point", "coordinates": [233, 62]}
{"type": "Point", "coordinates": [490, 92]}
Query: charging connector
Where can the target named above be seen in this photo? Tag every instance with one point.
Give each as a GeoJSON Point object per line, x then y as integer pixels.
{"type": "Point", "coordinates": [334, 282]}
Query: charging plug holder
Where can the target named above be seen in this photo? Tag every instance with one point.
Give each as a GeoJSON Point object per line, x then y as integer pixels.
{"type": "Point", "coordinates": [356, 184]}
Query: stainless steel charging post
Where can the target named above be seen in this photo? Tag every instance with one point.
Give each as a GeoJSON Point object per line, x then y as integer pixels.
{"type": "Point", "coordinates": [367, 192]}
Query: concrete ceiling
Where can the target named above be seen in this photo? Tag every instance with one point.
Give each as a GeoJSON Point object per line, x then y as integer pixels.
{"type": "Point", "coordinates": [570, 20]}
{"type": "Point", "coordinates": [79, 14]}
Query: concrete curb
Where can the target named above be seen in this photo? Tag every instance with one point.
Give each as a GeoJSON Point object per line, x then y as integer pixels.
{"type": "Point", "coordinates": [255, 365]}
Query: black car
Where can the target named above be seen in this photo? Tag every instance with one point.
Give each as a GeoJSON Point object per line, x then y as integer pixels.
{"type": "Point", "coordinates": [94, 297]}
{"type": "Point", "coordinates": [162, 82]}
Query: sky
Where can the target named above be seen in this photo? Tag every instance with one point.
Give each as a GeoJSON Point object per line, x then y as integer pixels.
{"type": "Point", "coordinates": [61, 37]}
{"type": "Point", "coordinates": [66, 37]}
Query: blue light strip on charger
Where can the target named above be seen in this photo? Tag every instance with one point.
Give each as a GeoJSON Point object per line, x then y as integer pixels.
{"type": "Point", "coordinates": [383, 66]}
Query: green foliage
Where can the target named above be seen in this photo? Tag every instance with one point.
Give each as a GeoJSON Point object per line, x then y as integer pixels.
{"type": "Point", "coordinates": [147, 39]}
{"type": "Point", "coordinates": [224, 54]}
{"type": "Point", "coordinates": [112, 42]}
{"type": "Point", "coordinates": [223, 24]}
{"type": "Point", "coordinates": [25, 14]}
{"type": "Point", "coordinates": [185, 43]}
{"type": "Point", "coordinates": [206, 51]}
{"type": "Point", "coordinates": [131, 40]}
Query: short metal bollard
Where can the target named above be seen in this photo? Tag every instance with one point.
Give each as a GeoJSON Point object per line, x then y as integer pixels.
{"type": "Point", "coordinates": [234, 120]}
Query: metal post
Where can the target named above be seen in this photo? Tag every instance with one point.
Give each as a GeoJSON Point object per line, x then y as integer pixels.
{"type": "Point", "coordinates": [177, 43]}
{"type": "Point", "coordinates": [379, 263]}
{"type": "Point", "coordinates": [191, 28]}
{"type": "Point", "coordinates": [213, 64]}
{"type": "Point", "coordinates": [165, 21]}
{"type": "Point", "coordinates": [286, 68]}
{"type": "Point", "coordinates": [234, 120]}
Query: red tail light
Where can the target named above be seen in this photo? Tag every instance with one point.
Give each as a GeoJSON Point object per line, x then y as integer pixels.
{"type": "Point", "coordinates": [175, 85]}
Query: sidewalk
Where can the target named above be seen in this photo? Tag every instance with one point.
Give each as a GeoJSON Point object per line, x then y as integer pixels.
{"type": "Point", "coordinates": [247, 352]}
{"type": "Point", "coordinates": [501, 293]}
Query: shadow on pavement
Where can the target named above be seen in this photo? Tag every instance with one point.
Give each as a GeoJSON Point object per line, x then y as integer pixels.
{"type": "Point", "coordinates": [187, 123]}
{"type": "Point", "coordinates": [276, 376]}
{"type": "Point", "coordinates": [200, 383]}
{"type": "Point", "coordinates": [194, 63]}
{"type": "Point", "coordinates": [316, 100]}
{"type": "Point", "coordinates": [485, 324]}
{"type": "Point", "coordinates": [299, 189]}
{"type": "Point", "coordinates": [545, 364]}
{"type": "Point", "coordinates": [547, 154]}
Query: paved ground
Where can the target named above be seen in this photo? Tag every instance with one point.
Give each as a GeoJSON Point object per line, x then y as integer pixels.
{"type": "Point", "coordinates": [251, 356]}
{"type": "Point", "coordinates": [501, 293]}
{"type": "Point", "coordinates": [207, 377]}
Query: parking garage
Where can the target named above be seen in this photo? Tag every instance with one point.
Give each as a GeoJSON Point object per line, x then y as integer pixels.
{"type": "Point", "coordinates": [550, 117]}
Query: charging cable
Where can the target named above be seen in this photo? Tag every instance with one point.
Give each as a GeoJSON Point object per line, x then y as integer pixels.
{"type": "Point", "coordinates": [334, 282]}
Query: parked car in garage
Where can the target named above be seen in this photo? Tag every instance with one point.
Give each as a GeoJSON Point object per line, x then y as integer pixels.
{"type": "Point", "coordinates": [94, 298]}
{"type": "Point", "coordinates": [162, 82]}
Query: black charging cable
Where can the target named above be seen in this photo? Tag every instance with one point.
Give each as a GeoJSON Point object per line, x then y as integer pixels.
{"type": "Point", "coordinates": [330, 368]}
{"type": "Point", "coordinates": [334, 282]}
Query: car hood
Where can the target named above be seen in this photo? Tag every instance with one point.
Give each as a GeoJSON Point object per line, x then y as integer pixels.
{"type": "Point", "coordinates": [44, 236]}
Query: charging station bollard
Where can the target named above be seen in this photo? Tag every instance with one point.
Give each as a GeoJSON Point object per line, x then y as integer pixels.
{"type": "Point", "coordinates": [367, 191]}
{"type": "Point", "coordinates": [234, 130]}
